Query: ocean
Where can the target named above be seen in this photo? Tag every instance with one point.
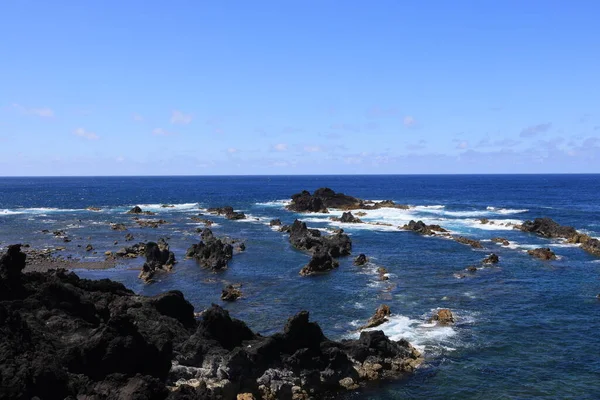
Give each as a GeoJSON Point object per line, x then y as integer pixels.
{"type": "Point", "coordinates": [525, 328]}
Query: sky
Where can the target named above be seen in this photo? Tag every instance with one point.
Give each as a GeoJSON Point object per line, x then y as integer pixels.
{"type": "Point", "coordinates": [299, 87]}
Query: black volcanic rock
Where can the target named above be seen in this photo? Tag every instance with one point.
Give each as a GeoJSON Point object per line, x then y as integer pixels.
{"type": "Point", "coordinates": [211, 252]}
{"type": "Point", "coordinates": [303, 238]}
{"type": "Point", "coordinates": [549, 228]}
{"type": "Point", "coordinates": [542, 253]}
{"type": "Point", "coordinates": [320, 262]}
{"type": "Point", "coordinates": [66, 337]}
{"type": "Point", "coordinates": [324, 198]}
{"type": "Point", "coordinates": [228, 212]}
{"type": "Point", "coordinates": [158, 256]}
{"type": "Point", "coordinates": [361, 260]}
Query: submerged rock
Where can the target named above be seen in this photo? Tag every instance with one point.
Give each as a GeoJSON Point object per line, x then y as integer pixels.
{"type": "Point", "coordinates": [491, 259]}
{"type": "Point", "coordinates": [471, 242]}
{"type": "Point", "coordinates": [275, 222]}
{"type": "Point", "coordinates": [542, 253]}
{"type": "Point", "coordinates": [118, 227]}
{"type": "Point", "coordinates": [231, 293]}
{"type": "Point", "coordinates": [501, 240]}
{"type": "Point", "coordinates": [347, 217]}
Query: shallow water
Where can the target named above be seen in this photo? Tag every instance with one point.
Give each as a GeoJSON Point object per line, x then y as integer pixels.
{"type": "Point", "coordinates": [525, 328]}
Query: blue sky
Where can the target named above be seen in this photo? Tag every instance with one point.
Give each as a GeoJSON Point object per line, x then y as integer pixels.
{"type": "Point", "coordinates": [299, 87]}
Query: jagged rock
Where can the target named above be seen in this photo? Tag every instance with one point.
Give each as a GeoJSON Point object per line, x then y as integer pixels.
{"type": "Point", "coordinates": [361, 260]}
{"type": "Point", "coordinates": [118, 227]}
{"type": "Point", "coordinates": [360, 213]}
{"type": "Point", "coordinates": [303, 238]}
{"type": "Point", "coordinates": [380, 316]}
{"type": "Point", "coordinates": [206, 222]}
{"type": "Point", "coordinates": [422, 228]}
{"type": "Point", "coordinates": [275, 222]}
{"type": "Point", "coordinates": [89, 247]}
{"type": "Point", "coordinates": [158, 256]}
{"type": "Point", "coordinates": [443, 317]}
{"type": "Point", "coordinates": [167, 206]}
{"type": "Point", "coordinates": [549, 228]}
{"type": "Point", "coordinates": [134, 251]}
{"type": "Point", "coordinates": [227, 212]}
{"type": "Point", "coordinates": [348, 218]}
{"type": "Point", "coordinates": [471, 268]}
{"type": "Point", "coordinates": [503, 241]}
{"type": "Point", "coordinates": [491, 259]}
{"type": "Point", "coordinates": [211, 252]}
{"type": "Point", "coordinates": [138, 210]}
{"type": "Point", "coordinates": [65, 337]}
{"type": "Point", "coordinates": [484, 221]}
{"type": "Point", "coordinates": [542, 253]}
{"type": "Point", "coordinates": [90, 208]}
{"type": "Point", "coordinates": [325, 198]}
{"type": "Point", "coordinates": [471, 242]}
{"type": "Point", "coordinates": [231, 293]}
{"type": "Point", "coordinates": [320, 262]}
{"type": "Point", "coordinates": [129, 237]}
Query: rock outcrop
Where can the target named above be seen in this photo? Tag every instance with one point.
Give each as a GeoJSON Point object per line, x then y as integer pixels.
{"type": "Point", "coordinates": [443, 317]}
{"type": "Point", "coordinates": [231, 293]}
{"type": "Point", "coordinates": [320, 262]}
{"type": "Point", "coordinates": [302, 238]}
{"type": "Point", "coordinates": [548, 228]}
{"type": "Point", "coordinates": [502, 241]}
{"type": "Point", "coordinates": [134, 251]}
{"type": "Point", "coordinates": [324, 198]}
{"type": "Point", "coordinates": [138, 210]}
{"type": "Point", "coordinates": [118, 227]}
{"type": "Point", "coordinates": [211, 252]}
{"type": "Point", "coordinates": [380, 317]}
{"type": "Point", "coordinates": [471, 242]}
{"type": "Point", "coordinates": [347, 217]}
{"type": "Point", "coordinates": [228, 212]}
{"type": "Point", "coordinates": [158, 257]}
{"type": "Point", "coordinates": [77, 338]}
{"type": "Point", "coordinates": [423, 229]}
{"type": "Point", "coordinates": [542, 253]}
{"type": "Point", "coordinates": [491, 259]}
{"type": "Point", "coordinates": [361, 260]}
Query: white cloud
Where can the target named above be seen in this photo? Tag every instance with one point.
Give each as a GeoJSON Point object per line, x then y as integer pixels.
{"type": "Point", "coordinates": [409, 121]}
{"type": "Point", "coordinates": [120, 159]}
{"type": "Point", "coordinates": [462, 145]}
{"type": "Point", "coordinates": [178, 117]}
{"type": "Point", "coordinates": [312, 149]}
{"type": "Point", "coordinates": [85, 134]}
{"type": "Point", "coordinates": [161, 132]}
{"type": "Point", "coordinates": [137, 117]}
{"type": "Point", "coordinates": [232, 150]}
{"type": "Point", "coordinates": [43, 112]}
{"type": "Point", "coordinates": [280, 147]}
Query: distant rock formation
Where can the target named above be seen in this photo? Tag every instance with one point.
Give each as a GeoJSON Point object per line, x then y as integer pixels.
{"type": "Point", "coordinates": [228, 212]}
{"type": "Point", "coordinates": [324, 198]}
{"type": "Point", "coordinates": [542, 253]}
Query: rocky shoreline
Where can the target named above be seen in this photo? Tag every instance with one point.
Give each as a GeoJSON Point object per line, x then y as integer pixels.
{"type": "Point", "coordinates": [71, 337]}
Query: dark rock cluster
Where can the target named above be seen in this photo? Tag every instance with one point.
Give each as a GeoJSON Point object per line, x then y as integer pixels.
{"type": "Point", "coordinates": [66, 337]}
{"type": "Point", "coordinates": [324, 198]}
{"type": "Point", "coordinates": [158, 257]}
{"type": "Point", "coordinates": [227, 212]}
{"type": "Point", "coordinates": [212, 252]}
{"type": "Point", "coordinates": [549, 228]}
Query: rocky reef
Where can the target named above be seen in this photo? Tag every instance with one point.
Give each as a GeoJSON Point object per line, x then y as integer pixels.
{"type": "Point", "coordinates": [158, 257]}
{"type": "Point", "coordinates": [211, 252]}
{"type": "Point", "coordinates": [543, 253]}
{"type": "Point", "coordinates": [66, 337]}
{"type": "Point", "coordinates": [324, 198]}
{"type": "Point", "coordinates": [548, 228]}
{"type": "Point", "coordinates": [228, 212]}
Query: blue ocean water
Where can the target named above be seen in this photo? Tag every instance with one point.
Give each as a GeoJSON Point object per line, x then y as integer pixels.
{"type": "Point", "coordinates": [525, 328]}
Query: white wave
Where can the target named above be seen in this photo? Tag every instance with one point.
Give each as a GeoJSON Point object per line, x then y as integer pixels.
{"type": "Point", "coordinates": [434, 207]}
{"type": "Point", "coordinates": [493, 224]}
{"type": "Point", "coordinates": [506, 210]}
{"type": "Point", "coordinates": [41, 211]}
{"type": "Point", "coordinates": [275, 203]}
{"type": "Point", "coordinates": [359, 305]}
